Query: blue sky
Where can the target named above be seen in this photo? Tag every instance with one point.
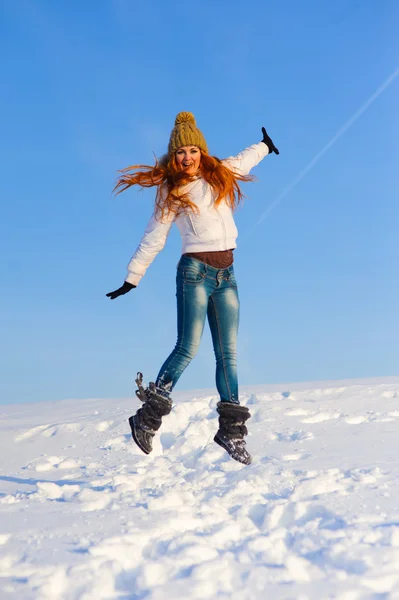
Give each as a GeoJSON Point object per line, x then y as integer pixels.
{"type": "Point", "coordinates": [89, 88]}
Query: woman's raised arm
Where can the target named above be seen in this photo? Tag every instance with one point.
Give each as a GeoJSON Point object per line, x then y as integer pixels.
{"type": "Point", "coordinates": [243, 162]}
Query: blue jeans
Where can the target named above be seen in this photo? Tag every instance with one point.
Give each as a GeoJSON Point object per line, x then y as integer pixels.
{"type": "Point", "coordinates": [203, 291]}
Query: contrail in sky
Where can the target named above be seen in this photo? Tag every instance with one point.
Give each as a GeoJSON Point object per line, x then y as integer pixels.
{"type": "Point", "coordinates": [333, 140]}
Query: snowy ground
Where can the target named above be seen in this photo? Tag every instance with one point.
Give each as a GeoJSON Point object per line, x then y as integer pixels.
{"type": "Point", "coordinates": [85, 515]}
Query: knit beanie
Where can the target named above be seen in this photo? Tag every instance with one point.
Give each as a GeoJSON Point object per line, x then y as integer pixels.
{"type": "Point", "coordinates": [186, 133]}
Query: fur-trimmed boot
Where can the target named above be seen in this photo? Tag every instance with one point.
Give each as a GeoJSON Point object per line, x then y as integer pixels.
{"type": "Point", "coordinates": [148, 419]}
{"type": "Point", "coordinates": [232, 429]}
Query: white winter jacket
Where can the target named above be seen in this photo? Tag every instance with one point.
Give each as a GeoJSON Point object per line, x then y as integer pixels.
{"type": "Point", "coordinates": [211, 229]}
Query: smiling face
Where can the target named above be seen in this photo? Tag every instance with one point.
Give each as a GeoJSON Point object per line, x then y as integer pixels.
{"type": "Point", "coordinates": [188, 158]}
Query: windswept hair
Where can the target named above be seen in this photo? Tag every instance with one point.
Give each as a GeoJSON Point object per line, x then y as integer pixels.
{"type": "Point", "coordinates": [167, 175]}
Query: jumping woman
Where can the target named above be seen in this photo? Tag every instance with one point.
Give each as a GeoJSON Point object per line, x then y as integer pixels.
{"type": "Point", "coordinates": [199, 193]}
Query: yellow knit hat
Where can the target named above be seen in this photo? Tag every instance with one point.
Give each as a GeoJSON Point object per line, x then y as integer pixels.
{"type": "Point", "coordinates": [186, 133]}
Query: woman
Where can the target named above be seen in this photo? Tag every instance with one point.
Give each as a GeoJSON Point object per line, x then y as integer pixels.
{"type": "Point", "coordinates": [199, 193]}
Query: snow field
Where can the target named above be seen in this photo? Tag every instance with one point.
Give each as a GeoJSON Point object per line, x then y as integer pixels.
{"type": "Point", "coordinates": [85, 515]}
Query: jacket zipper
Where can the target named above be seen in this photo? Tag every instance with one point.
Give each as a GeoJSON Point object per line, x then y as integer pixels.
{"type": "Point", "coordinates": [192, 224]}
{"type": "Point", "coordinates": [220, 219]}
{"type": "Point", "coordinates": [224, 227]}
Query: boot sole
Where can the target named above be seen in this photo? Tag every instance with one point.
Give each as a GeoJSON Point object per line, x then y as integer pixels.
{"type": "Point", "coordinates": [222, 445]}
{"type": "Point", "coordinates": [132, 427]}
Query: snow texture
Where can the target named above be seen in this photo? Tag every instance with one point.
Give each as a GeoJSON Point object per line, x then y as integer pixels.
{"type": "Point", "coordinates": [85, 515]}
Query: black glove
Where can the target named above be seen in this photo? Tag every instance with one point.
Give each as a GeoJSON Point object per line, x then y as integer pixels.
{"type": "Point", "coordinates": [269, 143]}
{"type": "Point", "coordinates": [122, 290]}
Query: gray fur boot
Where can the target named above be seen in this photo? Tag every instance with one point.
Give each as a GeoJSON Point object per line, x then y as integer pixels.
{"type": "Point", "coordinates": [148, 419]}
{"type": "Point", "coordinates": [232, 429]}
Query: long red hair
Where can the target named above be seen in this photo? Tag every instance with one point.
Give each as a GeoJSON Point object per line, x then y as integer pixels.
{"type": "Point", "coordinates": [167, 173]}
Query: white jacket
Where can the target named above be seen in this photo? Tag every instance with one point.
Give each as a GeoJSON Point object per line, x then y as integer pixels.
{"type": "Point", "coordinates": [211, 229]}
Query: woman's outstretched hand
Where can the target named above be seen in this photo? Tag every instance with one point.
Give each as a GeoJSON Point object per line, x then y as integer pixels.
{"type": "Point", "coordinates": [269, 142]}
{"type": "Point", "coordinates": [120, 291]}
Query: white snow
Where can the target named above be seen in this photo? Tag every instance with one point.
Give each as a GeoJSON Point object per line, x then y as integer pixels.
{"type": "Point", "coordinates": [85, 515]}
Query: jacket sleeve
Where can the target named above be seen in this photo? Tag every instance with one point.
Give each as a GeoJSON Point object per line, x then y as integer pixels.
{"type": "Point", "coordinates": [151, 244]}
{"type": "Point", "coordinates": [247, 159]}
